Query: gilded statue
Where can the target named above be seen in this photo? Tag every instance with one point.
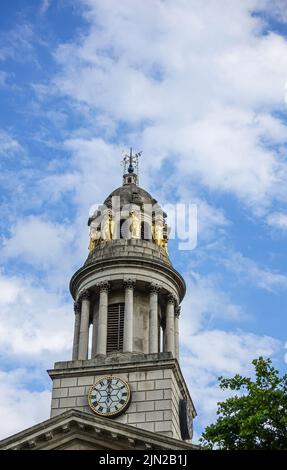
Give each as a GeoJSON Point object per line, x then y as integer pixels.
{"type": "Point", "coordinates": [95, 235]}
{"type": "Point", "coordinates": [157, 234]}
{"type": "Point", "coordinates": [164, 244]}
{"type": "Point", "coordinates": [135, 224]}
{"type": "Point", "coordinates": [160, 236]}
{"type": "Point", "coordinates": [108, 227]}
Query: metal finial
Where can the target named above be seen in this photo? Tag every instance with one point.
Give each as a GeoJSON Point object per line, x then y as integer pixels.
{"type": "Point", "coordinates": [130, 162]}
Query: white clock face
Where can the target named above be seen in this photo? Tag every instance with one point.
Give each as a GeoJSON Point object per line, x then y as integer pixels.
{"type": "Point", "coordinates": [110, 396]}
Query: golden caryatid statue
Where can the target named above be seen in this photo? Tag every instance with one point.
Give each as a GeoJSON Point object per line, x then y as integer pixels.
{"type": "Point", "coordinates": [160, 236]}
{"type": "Point", "coordinates": [95, 236]}
{"type": "Point", "coordinates": [157, 233]}
{"type": "Point", "coordinates": [108, 227]}
{"type": "Point", "coordinates": [135, 224]}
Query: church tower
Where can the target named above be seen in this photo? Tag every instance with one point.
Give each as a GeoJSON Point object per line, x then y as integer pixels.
{"type": "Point", "coordinates": [127, 296]}
{"type": "Point", "coordinates": [123, 388]}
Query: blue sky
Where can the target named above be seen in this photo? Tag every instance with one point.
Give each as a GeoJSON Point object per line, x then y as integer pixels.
{"type": "Point", "coordinates": [200, 87]}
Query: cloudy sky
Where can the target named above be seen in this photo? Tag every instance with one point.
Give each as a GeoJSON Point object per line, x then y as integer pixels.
{"type": "Point", "coordinates": [200, 87]}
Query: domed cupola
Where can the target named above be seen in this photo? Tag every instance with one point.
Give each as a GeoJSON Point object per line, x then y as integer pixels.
{"type": "Point", "coordinates": [129, 218]}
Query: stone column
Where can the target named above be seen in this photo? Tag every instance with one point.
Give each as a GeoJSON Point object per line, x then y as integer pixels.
{"type": "Point", "coordinates": [176, 332]}
{"type": "Point", "coordinates": [129, 286]}
{"type": "Point", "coordinates": [153, 319]}
{"type": "Point", "coordinates": [163, 331]}
{"type": "Point", "coordinates": [159, 336]}
{"type": "Point", "coordinates": [169, 328]}
{"type": "Point", "coordinates": [77, 310]}
{"type": "Point", "coordinates": [95, 329]}
{"type": "Point", "coordinates": [84, 326]}
{"type": "Point", "coordinates": [101, 347]}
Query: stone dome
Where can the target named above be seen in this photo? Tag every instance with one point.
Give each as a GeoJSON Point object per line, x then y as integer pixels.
{"type": "Point", "coordinates": [131, 194]}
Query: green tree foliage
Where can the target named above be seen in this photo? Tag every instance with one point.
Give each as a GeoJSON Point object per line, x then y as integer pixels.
{"type": "Point", "coordinates": [256, 417]}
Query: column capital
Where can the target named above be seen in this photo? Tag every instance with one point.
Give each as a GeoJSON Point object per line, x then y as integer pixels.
{"type": "Point", "coordinates": [177, 311]}
{"type": "Point", "coordinates": [77, 307]}
{"type": "Point", "coordinates": [129, 283]}
{"type": "Point", "coordinates": [104, 286]}
{"type": "Point", "coordinates": [154, 288]}
{"type": "Point", "coordinates": [85, 295]}
{"type": "Point", "coordinates": [171, 299]}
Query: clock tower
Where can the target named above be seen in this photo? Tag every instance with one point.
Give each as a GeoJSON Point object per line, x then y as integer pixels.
{"type": "Point", "coordinates": [123, 388]}
{"type": "Point", "coordinates": [125, 362]}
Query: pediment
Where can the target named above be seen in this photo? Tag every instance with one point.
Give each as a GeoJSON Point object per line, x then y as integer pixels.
{"type": "Point", "coordinates": [78, 430]}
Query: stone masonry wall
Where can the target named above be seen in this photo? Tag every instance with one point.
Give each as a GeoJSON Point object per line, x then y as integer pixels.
{"type": "Point", "coordinates": [154, 403]}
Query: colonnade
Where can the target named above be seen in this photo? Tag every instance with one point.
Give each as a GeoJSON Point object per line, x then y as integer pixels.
{"type": "Point", "coordinates": [82, 309]}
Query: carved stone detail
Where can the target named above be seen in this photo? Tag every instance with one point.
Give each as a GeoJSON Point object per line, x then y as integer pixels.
{"type": "Point", "coordinates": [85, 295]}
{"type": "Point", "coordinates": [104, 286]}
{"type": "Point", "coordinates": [32, 443]}
{"type": "Point", "coordinates": [77, 308]}
{"type": "Point", "coordinates": [66, 428]}
{"type": "Point", "coordinates": [171, 299]}
{"type": "Point", "coordinates": [154, 288]}
{"type": "Point", "coordinates": [177, 311]}
{"type": "Point", "coordinates": [129, 283]}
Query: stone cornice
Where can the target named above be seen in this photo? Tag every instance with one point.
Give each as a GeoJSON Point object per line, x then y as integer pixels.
{"type": "Point", "coordinates": [137, 262]}
{"type": "Point", "coordinates": [74, 423]}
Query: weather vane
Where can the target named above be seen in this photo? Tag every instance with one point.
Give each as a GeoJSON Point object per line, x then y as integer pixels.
{"type": "Point", "coordinates": [130, 162]}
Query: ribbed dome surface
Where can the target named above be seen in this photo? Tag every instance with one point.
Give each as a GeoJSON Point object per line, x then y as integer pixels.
{"type": "Point", "coordinates": [131, 194]}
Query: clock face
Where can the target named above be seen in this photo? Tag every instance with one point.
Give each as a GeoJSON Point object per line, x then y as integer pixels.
{"type": "Point", "coordinates": [110, 396]}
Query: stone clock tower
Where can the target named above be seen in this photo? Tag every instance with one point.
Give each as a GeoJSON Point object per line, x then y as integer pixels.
{"type": "Point", "coordinates": [124, 371]}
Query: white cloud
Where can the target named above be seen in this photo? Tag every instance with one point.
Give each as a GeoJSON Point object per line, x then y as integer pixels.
{"type": "Point", "coordinates": [277, 220]}
{"type": "Point", "coordinates": [35, 324]}
{"type": "Point", "coordinates": [20, 408]}
{"type": "Point", "coordinates": [276, 8]}
{"type": "Point", "coordinates": [8, 144]}
{"type": "Point", "coordinates": [34, 239]}
{"type": "Point", "coordinates": [44, 7]}
{"type": "Point", "coordinates": [98, 166]}
{"type": "Point", "coordinates": [17, 43]}
{"type": "Point", "coordinates": [205, 303]}
{"type": "Point", "coordinates": [248, 270]}
{"type": "Point", "coordinates": [3, 78]}
{"type": "Point", "coordinates": [202, 80]}
{"type": "Point", "coordinates": [210, 219]}
{"type": "Point", "coordinates": [42, 243]}
{"type": "Point", "coordinates": [213, 353]}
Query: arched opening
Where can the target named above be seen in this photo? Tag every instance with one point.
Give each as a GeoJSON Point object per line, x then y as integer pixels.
{"type": "Point", "coordinates": [123, 229]}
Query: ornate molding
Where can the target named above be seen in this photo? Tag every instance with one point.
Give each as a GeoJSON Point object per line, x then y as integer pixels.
{"type": "Point", "coordinates": [77, 307]}
{"type": "Point", "coordinates": [85, 295]}
{"type": "Point", "coordinates": [129, 283]}
{"type": "Point", "coordinates": [171, 299]}
{"type": "Point", "coordinates": [154, 288]}
{"type": "Point", "coordinates": [177, 311]}
{"type": "Point", "coordinates": [66, 427]}
{"type": "Point", "coordinates": [32, 443]}
{"type": "Point", "coordinates": [104, 286]}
